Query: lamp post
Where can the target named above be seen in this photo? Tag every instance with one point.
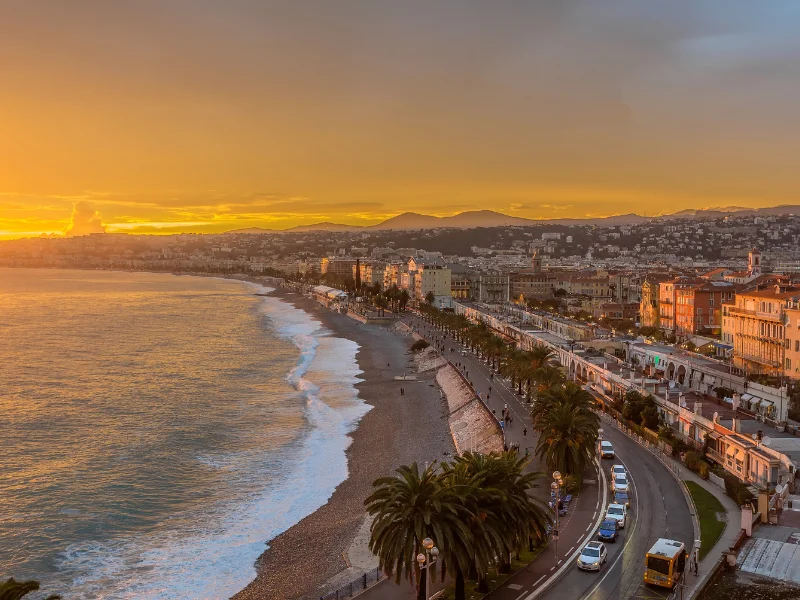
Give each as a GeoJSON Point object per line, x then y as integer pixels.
{"type": "Point", "coordinates": [425, 561]}
{"type": "Point", "coordinates": [556, 488]}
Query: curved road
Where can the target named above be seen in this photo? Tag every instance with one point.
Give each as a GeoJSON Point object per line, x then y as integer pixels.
{"type": "Point", "coordinates": [658, 509]}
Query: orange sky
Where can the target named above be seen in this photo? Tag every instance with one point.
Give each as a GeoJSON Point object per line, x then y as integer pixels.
{"type": "Point", "coordinates": [207, 116]}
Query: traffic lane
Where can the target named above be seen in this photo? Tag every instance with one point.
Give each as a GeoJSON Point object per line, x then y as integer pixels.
{"type": "Point", "coordinates": [555, 559]}
{"type": "Point", "coordinates": [660, 512]}
{"type": "Point", "coordinates": [579, 584]}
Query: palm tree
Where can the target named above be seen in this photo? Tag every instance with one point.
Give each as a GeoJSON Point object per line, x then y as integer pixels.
{"type": "Point", "coordinates": [568, 428]}
{"type": "Point", "coordinates": [12, 589]}
{"type": "Point", "coordinates": [407, 509]}
{"type": "Point", "coordinates": [403, 299]}
{"type": "Point", "coordinates": [430, 298]}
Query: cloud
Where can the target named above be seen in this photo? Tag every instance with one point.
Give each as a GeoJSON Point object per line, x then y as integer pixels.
{"type": "Point", "coordinates": [556, 206]}
{"type": "Point", "coordinates": [85, 220]}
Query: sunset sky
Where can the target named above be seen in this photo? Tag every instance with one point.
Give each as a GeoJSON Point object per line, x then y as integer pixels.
{"type": "Point", "coordinates": [202, 115]}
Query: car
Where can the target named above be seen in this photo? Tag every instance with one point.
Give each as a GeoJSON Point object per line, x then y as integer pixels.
{"type": "Point", "coordinates": [622, 497]}
{"type": "Point", "coordinates": [606, 449]}
{"type": "Point", "coordinates": [608, 531]}
{"type": "Point", "coordinates": [620, 484]}
{"type": "Point", "coordinates": [618, 512]}
{"type": "Point", "coordinates": [618, 470]}
{"type": "Point", "coordinates": [592, 557]}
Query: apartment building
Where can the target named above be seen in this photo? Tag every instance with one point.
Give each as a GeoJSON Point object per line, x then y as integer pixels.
{"type": "Point", "coordinates": [667, 298]}
{"type": "Point", "coordinates": [698, 308]}
{"type": "Point", "coordinates": [460, 282]}
{"type": "Point", "coordinates": [370, 272]}
{"type": "Point", "coordinates": [431, 275]}
{"type": "Point", "coordinates": [493, 287]}
{"type": "Point", "coordinates": [338, 266]}
{"type": "Point", "coordinates": [791, 360]}
{"type": "Point", "coordinates": [756, 323]}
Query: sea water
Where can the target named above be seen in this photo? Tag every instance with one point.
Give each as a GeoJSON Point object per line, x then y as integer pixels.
{"type": "Point", "coordinates": [158, 430]}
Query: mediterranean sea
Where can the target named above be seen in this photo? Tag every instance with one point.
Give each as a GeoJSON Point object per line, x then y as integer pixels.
{"type": "Point", "coordinates": [158, 429]}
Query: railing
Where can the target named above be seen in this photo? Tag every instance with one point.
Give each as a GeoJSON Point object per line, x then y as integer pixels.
{"type": "Point", "coordinates": [356, 586]}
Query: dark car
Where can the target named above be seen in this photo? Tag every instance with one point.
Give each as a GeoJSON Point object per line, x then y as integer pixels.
{"type": "Point", "coordinates": [608, 531]}
{"type": "Point", "coordinates": [622, 497]}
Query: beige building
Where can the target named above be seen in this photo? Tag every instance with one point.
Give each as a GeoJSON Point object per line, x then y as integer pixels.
{"type": "Point", "coordinates": [430, 276]}
{"type": "Point", "coordinates": [756, 323]}
{"type": "Point", "coordinates": [791, 361]}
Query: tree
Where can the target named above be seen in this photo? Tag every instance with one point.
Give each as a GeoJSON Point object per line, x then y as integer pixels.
{"type": "Point", "coordinates": [12, 589]}
{"type": "Point", "coordinates": [403, 299]}
{"type": "Point", "coordinates": [568, 428]}
{"type": "Point", "coordinates": [381, 302]}
{"type": "Point", "coordinates": [407, 509]}
{"type": "Point", "coordinates": [430, 298]}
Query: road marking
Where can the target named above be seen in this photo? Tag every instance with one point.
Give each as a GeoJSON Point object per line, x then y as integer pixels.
{"type": "Point", "coordinates": [538, 581]}
{"type": "Point", "coordinates": [521, 595]}
{"type": "Point", "coordinates": [559, 562]}
{"type": "Point", "coordinates": [570, 550]}
{"type": "Point", "coordinates": [588, 527]}
{"type": "Point", "coordinates": [596, 506]}
{"type": "Point", "coordinates": [552, 568]}
{"type": "Point", "coordinates": [552, 579]}
{"type": "Point", "coordinates": [594, 515]}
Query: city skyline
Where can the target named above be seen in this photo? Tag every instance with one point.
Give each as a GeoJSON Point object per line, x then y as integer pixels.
{"type": "Point", "coordinates": [148, 118]}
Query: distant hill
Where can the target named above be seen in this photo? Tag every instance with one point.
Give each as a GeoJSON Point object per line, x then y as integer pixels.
{"type": "Point", "coordinates": [490, 218]}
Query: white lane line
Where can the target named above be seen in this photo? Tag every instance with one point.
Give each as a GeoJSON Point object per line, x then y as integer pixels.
{"type": "Point", "coordinates": [570, 550]}
{"type": "Point", "coordinates": [629, 537]}
{"type": "Point", "coordinates": [521, 595]}
{"type": "Point", "coordinates": [597, 505]}
{"type": "Point", "coordinates": [552, 568]}
{"type": "Point", "coordinates": [604, 490]}
{"type": "Point", "coordinates": [559, 562]}
{"type": "Point", "coordinates": [538, 581]}
{"type": "Point", "coordinates": [594, 515]}
{"type": "Point", "coordinates": [589, 526]}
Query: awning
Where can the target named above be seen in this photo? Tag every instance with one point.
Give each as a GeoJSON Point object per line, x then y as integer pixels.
{"type": "Point", "coordinates": [747, 397]}
{"type": "Point", "coordinates": [730, 451]}
{"type": "Point", "coordinates": [767, 403]}
{"type": "Point", "coordinates": [714, 435]}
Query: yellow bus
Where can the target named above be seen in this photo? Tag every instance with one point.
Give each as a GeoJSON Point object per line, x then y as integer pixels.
{"type": "Point", "coordinates": [664, 563]}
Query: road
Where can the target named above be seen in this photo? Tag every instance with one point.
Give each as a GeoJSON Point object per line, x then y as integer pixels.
{"type": "Point", "coordinates": [658, 510]}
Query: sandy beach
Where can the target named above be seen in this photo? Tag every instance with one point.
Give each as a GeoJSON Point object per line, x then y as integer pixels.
{"type": "Point", "coordinates": [398, 430]}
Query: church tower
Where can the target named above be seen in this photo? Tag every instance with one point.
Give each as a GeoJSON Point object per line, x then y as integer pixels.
{"type": "Point", "coordinates": [536, 262]}
{"type": "Point", "coordinates": [754, 262]}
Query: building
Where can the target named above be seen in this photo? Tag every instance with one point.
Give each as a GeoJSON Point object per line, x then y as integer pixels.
{"type": "Point", "coordinates": [698, 308]}
{"type": "Point", "coordinates": [617, 310]}
{"type": "Point", "coordinates": [649, 305]}
{"type": "Point", "coordinates": [753, 269]}
{"type": "Point", "coordinates": [791, 360]}
{"type": "Point", "coordinates": [460, 282]}
{"type": "Point", "coordinates": [370, 272]}
{"type": "Point", "coordinates": [430, 275]}
{"type": "Point", "coordinates": [338, 266]}
{"type": "Point", "coordinates": [667, 298]}
{"type": "Point", "coordinates": [493, 287]}
{"type": "Point", "coordinates": [757, 325]}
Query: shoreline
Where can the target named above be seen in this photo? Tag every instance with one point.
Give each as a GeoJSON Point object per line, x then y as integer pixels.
{"type": "Point", "coordinates": [397, 430]}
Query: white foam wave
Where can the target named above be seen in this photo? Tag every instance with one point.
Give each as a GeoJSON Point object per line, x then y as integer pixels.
{"type": "Point", "coordinates": [213, 556]}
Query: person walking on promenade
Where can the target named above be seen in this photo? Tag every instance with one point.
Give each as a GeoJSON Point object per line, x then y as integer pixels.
{"type": "Point", "coordinates": [525, 432]}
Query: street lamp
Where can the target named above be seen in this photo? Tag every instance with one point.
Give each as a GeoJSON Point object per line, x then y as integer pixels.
{"type": "Point", "coordinates": [556, 491]}
{"type": "Point", "coordinates": [430, 557]}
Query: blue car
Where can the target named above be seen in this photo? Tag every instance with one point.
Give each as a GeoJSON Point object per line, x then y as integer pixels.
{"type": "Point", "coordinates": [608, 531]}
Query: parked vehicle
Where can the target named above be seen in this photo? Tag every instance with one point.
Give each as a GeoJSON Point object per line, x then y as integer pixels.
{"type": "Point", "coordinates": [592, 557]}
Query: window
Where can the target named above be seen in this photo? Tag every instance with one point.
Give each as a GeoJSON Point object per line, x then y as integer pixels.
{"type": "Point", "coordinates": [797, 345]}
{"type": "Point", "coordinates": [788, 364]}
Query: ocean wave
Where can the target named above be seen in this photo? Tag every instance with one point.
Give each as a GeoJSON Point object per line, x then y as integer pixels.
{"type": "Point", "coordinates": [211, 553]}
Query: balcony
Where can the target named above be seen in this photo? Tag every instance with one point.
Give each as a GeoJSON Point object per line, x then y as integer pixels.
{"type": "Point", "coordinates": [733, 310]}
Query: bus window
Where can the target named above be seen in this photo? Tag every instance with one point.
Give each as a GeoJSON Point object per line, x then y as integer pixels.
{"type": "Point", "coordinates": [659, 565]}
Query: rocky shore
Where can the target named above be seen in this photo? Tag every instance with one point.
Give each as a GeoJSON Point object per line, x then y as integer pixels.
{"type": "Point", "coordinates": [398, 430]}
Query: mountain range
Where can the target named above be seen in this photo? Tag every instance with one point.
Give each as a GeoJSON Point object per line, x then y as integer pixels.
{"type": "Point", "coordinates": [490, 218]}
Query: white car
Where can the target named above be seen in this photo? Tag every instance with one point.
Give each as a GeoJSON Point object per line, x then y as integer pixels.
{"type": "Point", "coordinates": [617, 470]}
{"type": "Point", "coordinates": [606, 449]}
{"type": "Point", "coordinates": [619, 513]}
{"type": "Point", "coordinates": [620, 484]}
{"type": "Point", "coordinates": [592, 557]}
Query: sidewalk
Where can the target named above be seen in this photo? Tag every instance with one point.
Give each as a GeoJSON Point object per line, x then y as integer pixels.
{"type": "Point", "coordinates": [732, 528]}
